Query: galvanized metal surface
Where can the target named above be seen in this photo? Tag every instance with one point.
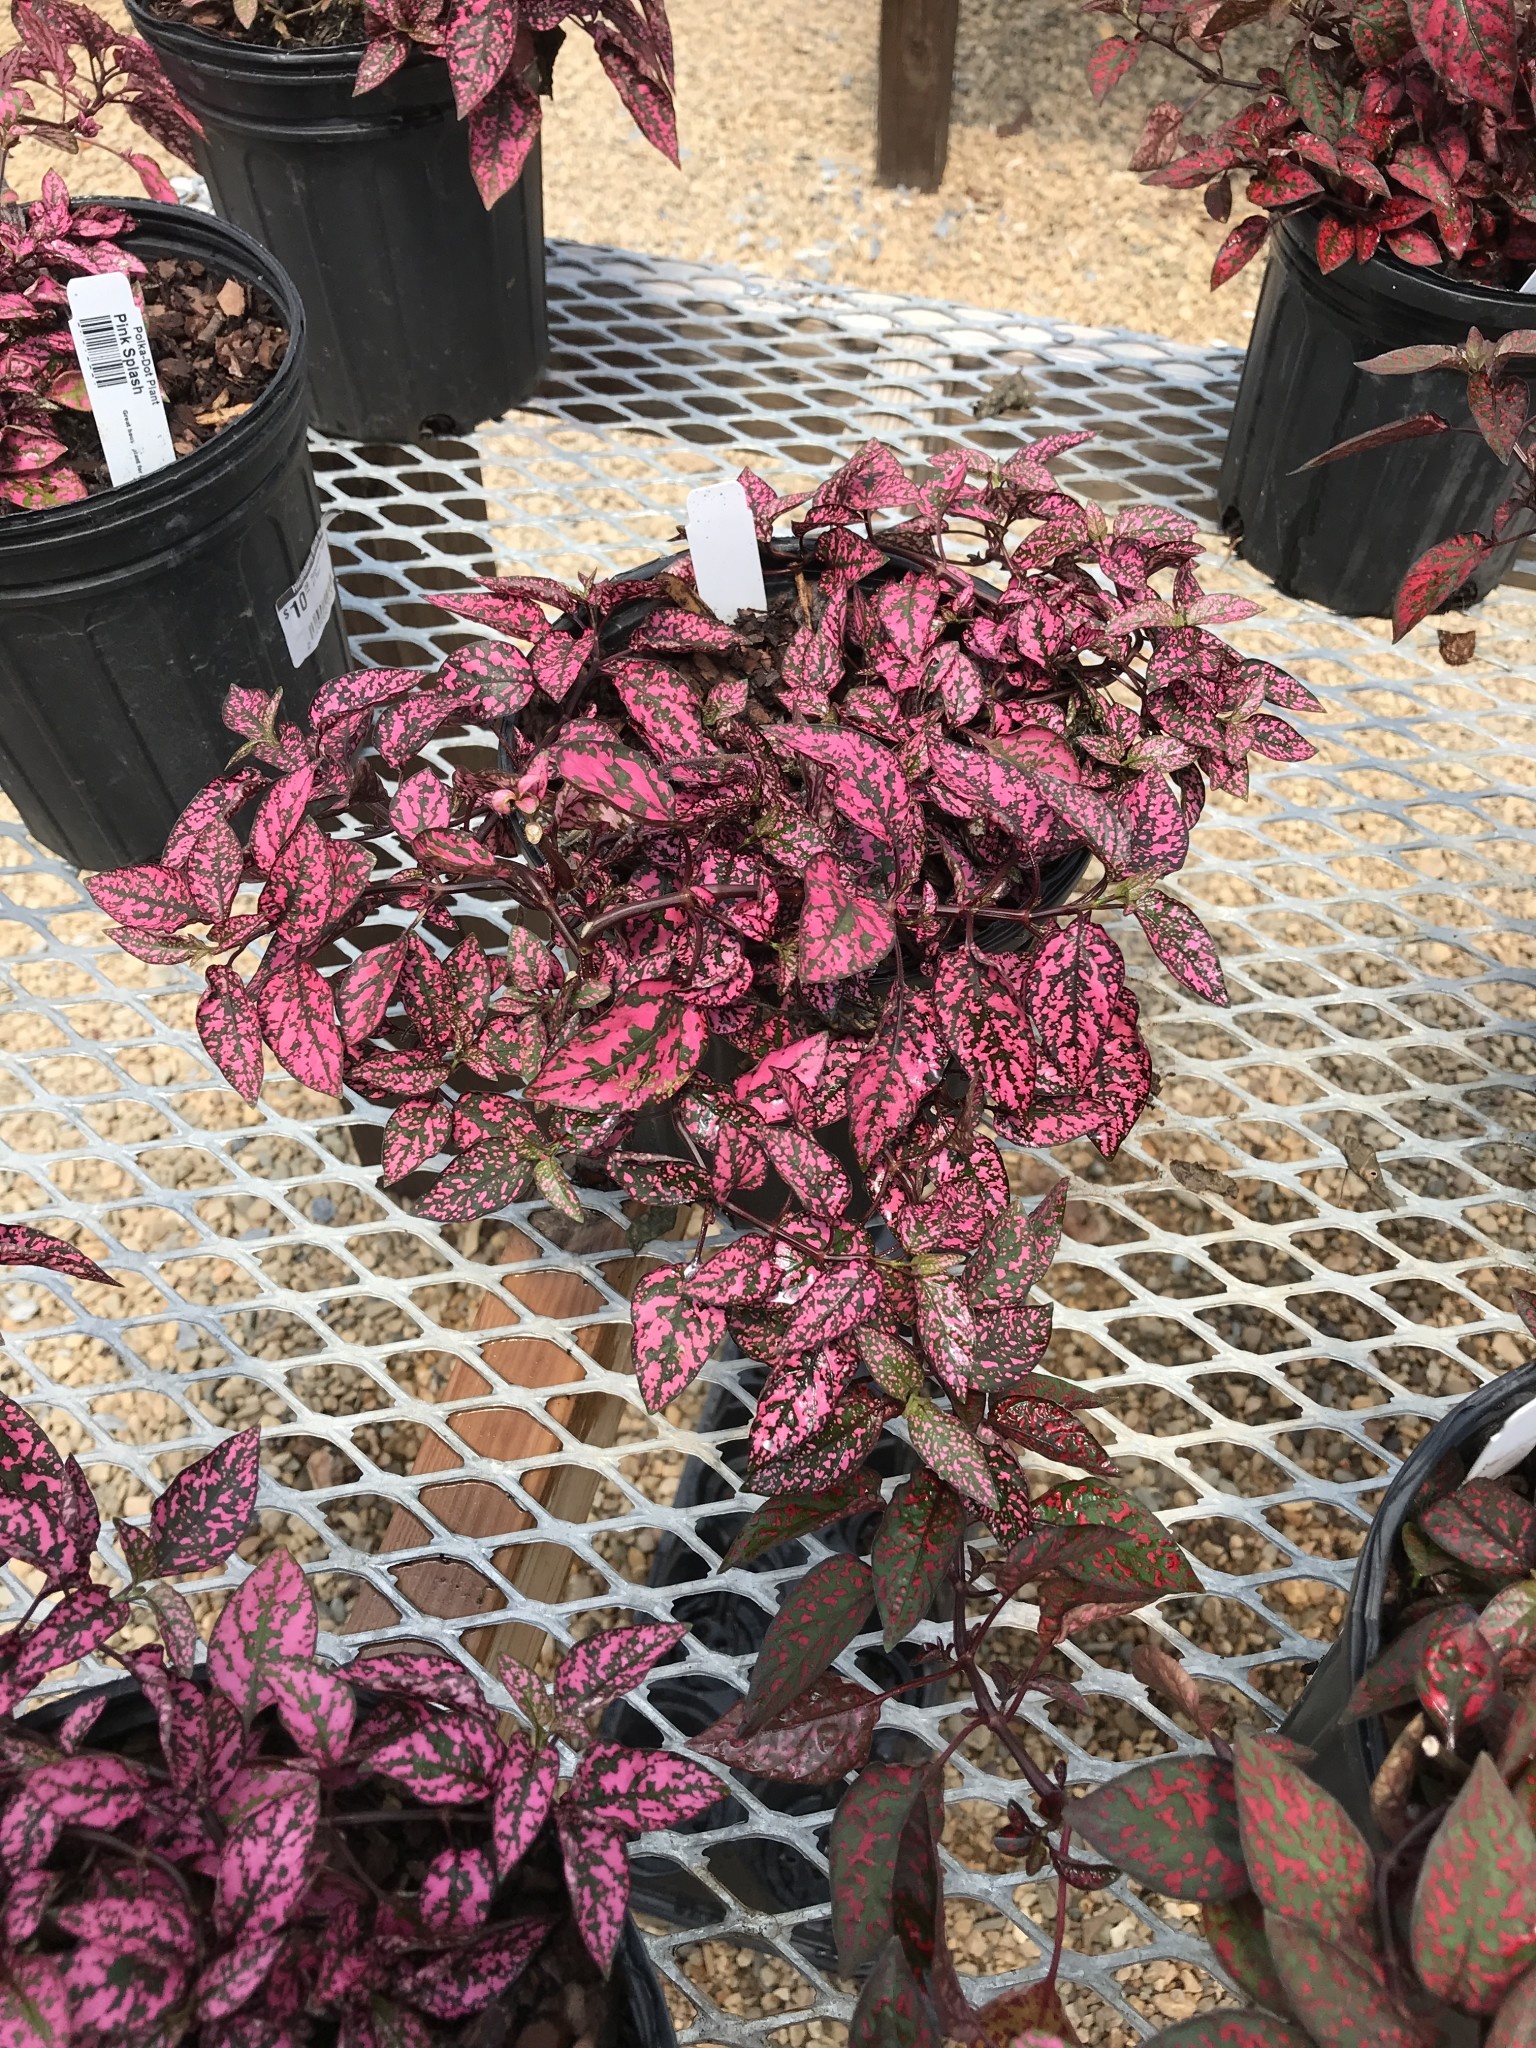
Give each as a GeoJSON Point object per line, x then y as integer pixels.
{"type": "Point", "coordinates": [1269, 1340]}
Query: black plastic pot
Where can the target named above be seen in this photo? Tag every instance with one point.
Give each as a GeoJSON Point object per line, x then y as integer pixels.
{"type": "Point", "coordinates": [638, 2016]}
{"type": "Point", "coordinates": [1346, 535]}
{"type": "Point", "coordinates": [125, 618]}
{"type": "Point", "coordinates": [426, 312]}
{"type": "Point", "coordinates": [1349, 1754]}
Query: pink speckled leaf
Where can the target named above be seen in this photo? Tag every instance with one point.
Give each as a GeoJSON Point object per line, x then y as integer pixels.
{"type": "Point", "coordinates": [950, 1451]}
{"type": "Point", "coordinates": [640, 1051]}
{"type": "Point", "coordinates": [671, 630]}
{"type": "Point", "coordinates": [179, 1636]}
{"type": "Point", "coordinates": [1458, 1679]}
{"type": "Point", "coordinates": [557, 658]}
{"type": "Point", "coordinates": [462, 1982]}
{"type": "Point", "coordinates": [1071, 985]}
{"type": "Point", "coordinates": [609, 1665]}
{"type": "Point", "coordinates": [502, 130]}
{"type": "Point", "coordinates": [978, 1009]}
{"type": "Point", "coordinates": [675, 1335]}
{"type": "Point", "coordinates": [88, 1790]}
{"type": "Point", "coordinates": [441, 1759]}
{"type": "Point", "coordinates": [148, 899]}
{"type": "Point", "coordinates": [1017, 1251]}
{"type": "Point", "coordinates": [1157, 837]}
{"type": "Point", "coordinates": [213, 869]}
{"type": "Point", "coordinates": [597, 1876]}
{"type": "Point", "coordinates": [818, 1618]}
{"type": "Point", "coordinates": [618, 774]}
{"type": "Point", "coordinates": [298, 1021]}
{"type": "Point", "coordinates": [640, 1789]}
{"type": "Point", "coordinates": [230, 1028]}
{"type": "Point", "coordinates": [832, 1455]}
{"type": "Point", "coordinates": [662, 705]}
{"type": "Point", "coordinates": [123, 1991]}
{"type": "Point", "coordinates": [906, 1059]}
{"type": "Point", "coordinates": [498, 671]}
{"type": "Point", "coordinates": [414, 1133]}
{"type": "Point", "coordinates": [524, 1793]}
{"type": "Point", "coordinates": [234, 1977]}
{"type": "Point", "coordinates": [34, 2004]}
{"type": "Point", "coordinates": [871, 788]}
{"type": "Point", "coordinates": [842, 932]}
{"type": "Point", "coordinates": [488, 1177]}
{"type": "Point", "coordinates": [478, 38]}
{"type": "Point", "coordinates": [870, 480]}
{"type": "Point", "coordinates": [269, 1619]}
{"type": "Point", "coordinates": [746, 1270]}
{"type": "Point", "coordinates": [21, 1245]}
{"type": "Point", "coordinates": [800, 1514]}
{"type": "Point", "coordinates": [80, 1622]}
{"type": "Point", "coordinates": [1183, 944]}
{"type": "Point", "coordinates": [456, 1890]}
{"type": "Point", "coordinates": [420, 1674]}
{"type": "Point", "coordinates": [649, 103]}
{"type": "Point", "coordinates": [264, 1863]}
{"type": "Point", "coordinates": [280, 815]}
{"type": "Point", "coordinates": [207, 1508]}
{"type": "Point", "coordinates": [317, 1709]}
{"type": "Point", "coordinates": [420, 802]}
{"type": "Point", "coordinates": [220, 799]}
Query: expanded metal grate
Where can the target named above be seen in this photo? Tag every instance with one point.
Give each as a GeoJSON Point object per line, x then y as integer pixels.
{"type": "Point", "coordinates": [1269, 1336]}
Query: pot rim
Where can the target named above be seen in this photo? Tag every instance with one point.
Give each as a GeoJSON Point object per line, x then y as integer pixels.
{"type": "Point", "coordinates": [1429, 291]}
{"type": "Point", "coordinates": [313, 58]}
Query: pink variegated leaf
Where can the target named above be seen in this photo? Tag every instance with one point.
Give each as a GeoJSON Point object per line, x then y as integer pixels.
{"type": "Point", "coordinates": [523, 1795]}
{"type": "Point", "coordinates": [871, 788]}
{"type": "Point", "coordinates": [81, 1622]}
{"type": "Point", "coordinates": [868, 481]}
{"type": "Point", "coordinates": [35, 2005]}
{"type": "Point", "coordinates": [611, 1664]}
{"type": "Point", "coordinates": [317, 1708]}
{"type": "Point", "coordinates": [499, 672]}
{"type": "Point", "coordinates": [906, 1060]}
{"type": "Point", "coordinates": [26, 1902]}
{"type": "Point", "coordinates": [950, 1451]}
{"type": "Point", "coordinates": [478, 38]}
{"type": "Point", "coordinates": [958, 681]}
{"type": "Point", "coordinates": [280, 814]}
{"type": "Point", "coordinates": [557, 658]}
{"type": "Point", "coordinates": [640, 1789]}
{"type": "Point", "coordinates": [662, 705]}
{"type": "Point", "coordinates": [456, 1890]}
{"type": "Point", "coordinates": [420, 1674]}
{"type": "Point", "coordinates": [234, 1978]}
{"type": "Point", "coordinates": [123, 1991]}
{"type": "Point", "coordinates": [977, 1004]}
{"type": "Point", "coordinates": [264, 1867]}
{"type": "Point", "coordinates": [747, 1270]}
{"type": "Point", "coordinates": [360, 690]}
{"type": "Point", "coordinates": [220, 799]}
{"type": "Point", "coordinates": [675, 1335]}
{"type": "Point", "coordinates": [670, 630]}
{"type": "Point", "coordinates": [649, 104]}
{"type": "Point", "coordinates": [229, 1025]}
{"type": "Point", "coordinates": [1017, 1251]}
{"type": "Point", "coordinates": [213, 869]}
{"type": "Point", "coordinates": [179, 1636]}
{"type": "Point", "coordinates": [640, 1051]}
{"type": "Point", "coordinates": [462, 1982]}
{"type": "Point", "coordinates": [597, 1877]}
{"type": "Point", "coordinates": [488, 1177]}
{"type": "Point", "coordinates": [268, 1620]}
{"type": "Point", "coordinates": [420, 802]}
{"type": "Point", "coordinates": [382, 57]}
{"type": "Point", "coordinates": [413, 1134]}
{"type": "Point", "coordinates": [1183, 944]}
{"type": "Point", "coordinates": [147, 899]}
{"type": "Point", "coordinates": [1157, 838]}
{"type": "Point", "coordinates": [441, 1759]}
{"type": "Point", "coordinates": [298, 1021]}
{"type": "Point", "coordinates": [1070, 987]}
{"type": "Point", "coordinates": [833, 1455]}
{"type": "Point", "coordinates": [842, 932]}
{"type": "Point", "coordinates": [617, 774]}
{"type": "Point", "coordinates": [91, 1790]}
{"type": "Point", "coordinates": [21, 1245]}
{"type": "Point", "coordinates": [502, 130]}
{"type": "Point", "coordinates": [201, 1516]}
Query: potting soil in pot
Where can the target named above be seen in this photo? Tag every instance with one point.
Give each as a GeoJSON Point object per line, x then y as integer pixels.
{"type": "Point", "coordinates": [302, 28]}
{"type": "Point", "coordinates": [216, 341]}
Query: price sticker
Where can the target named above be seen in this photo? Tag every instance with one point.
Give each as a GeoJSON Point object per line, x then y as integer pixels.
{"type": "Point", "coordinates": [113, 347]}
{"type": "Point", "coordinates": [303, 610]}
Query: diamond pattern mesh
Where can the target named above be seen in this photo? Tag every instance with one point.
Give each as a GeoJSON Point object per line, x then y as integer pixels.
{"type": "Point", "coordinates": [1270, 1331]}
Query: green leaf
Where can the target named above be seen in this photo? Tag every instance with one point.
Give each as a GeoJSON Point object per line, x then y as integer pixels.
{"type": "Point", "coordinates": [819, 1618]}
{"type": "Point", "coordinates": [1235, 1930]}
{"type": "Point", "coordinates": [913, 1548]}
{"type": "Point", "coordinates": [1171, 1824]}
{"type": "Point", "coordinates": [1338, 1993]}
{"type": "Point", "coordinates": [866, 1832]}
{"type": "Point", "coordinates": [1474, 1912]}
{"type": "Point", "coordinates": [1516, 2021]}
{"type": "Point", "coordinates": [1306, 1858]}
{"type": "Point", "coordinates": [893, 2010]}
{"type": "Point", "coordinates": [801, 1514]}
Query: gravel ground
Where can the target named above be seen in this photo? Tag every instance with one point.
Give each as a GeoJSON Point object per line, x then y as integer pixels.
{"type": "Point", "coordinates": [777, 120]}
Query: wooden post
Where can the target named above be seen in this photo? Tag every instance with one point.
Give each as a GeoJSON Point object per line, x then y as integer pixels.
{"type": "Point", "coordinates": [917, 63]}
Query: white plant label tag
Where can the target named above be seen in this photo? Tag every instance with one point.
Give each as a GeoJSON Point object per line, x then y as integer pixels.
{"type": "Point", "coordinates": [1509, 1446]}
{"type": "Point", "coordinates": [110, 339]}
{"type": "Point", "coordinates": [723, 543]}
{"type": "Point", "coordinates": [1530, 283]}
{"type": "Point", "coordinates": [303, 611]}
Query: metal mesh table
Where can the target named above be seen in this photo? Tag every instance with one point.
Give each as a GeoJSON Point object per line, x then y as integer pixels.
{"type": "Point", "coordinates": [1268, 1340]}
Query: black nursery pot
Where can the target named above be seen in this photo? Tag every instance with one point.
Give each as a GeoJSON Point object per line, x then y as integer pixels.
{"type": "Point", "coordinates": [1346, 535]}
{"type": "Point", "coordinates": [1350, 1753]}
{"type": "Point", "coordinates": [126, 617]}
{"type": "Point", "coordinates": [426, 312]}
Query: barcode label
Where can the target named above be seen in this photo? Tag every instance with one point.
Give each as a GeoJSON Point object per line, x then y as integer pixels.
{"type": "Point", "coordinates": [119, 371]}
{"type": "Point", "coordinates": [103, 356]}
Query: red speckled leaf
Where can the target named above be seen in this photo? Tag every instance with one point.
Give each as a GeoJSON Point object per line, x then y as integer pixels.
{"type": "Point", "coordinates": [413, 1134]}
{"type": "Point", "coordinates": [1110, 61]}
{"type": "Point", "coordinates": [640, 1051]}
{"type": "Point", "coordinates": [1017, 1251]}
{"type": "Point", "coordinates": [21, 1245]}
{"type": "Point", "coordinates": [914, 1546]}
{"type": "Point", "coordinates": [1306, 1858]}
{"type": "Point", "coordinates": [597, 1876]}
{"type": "Point", "coordinates": [1499, 408]}
{"type": "Point", "coordinates": [1487, 1525]}
{"type": "Point", "coordinates": [618, 774]}
{"type": "Point", "coordinates": [1235, 1930]}
{"type": "Point", "coordinates": [1458, 1679]}
{"type": "Point", "coordinates": [978, 1009]}
{"type": "Point", "coordinates": [862, 1851]}
{"type": "Point", "coordinates": [1071, 986]}
{"type": "Point", "coordinates": [662, 705]}
{"type": "Point", "coordinates": [230, 1028]}
{"type": "Point", "coordinates": [1471, 44]}
{"type": "Point", "coordinates": [148, 899]}
{"type": "Point", "coordinates": [1240, 248]}
{"type": "Point", "coordinates": [842, 933]}
{"type": "Point", "coordinates": [502, 130]}
{"type": "Point", "coordinates": [1515, 2024]}
{"type": "Point", "coordinates": [207, 1508]}
{"type": "Point", "coordinates": [800, 1514]}
{"type": "Point", "coordinates": [907, 1058]}
{"type": "Point", "coordinates": [524, 1793]}
{"type": "Point", "coordinates": [894, 2011]}
{"type": "Point", "coordinates": [640, 1789]}
{"type": "Point", "coordinates": [298, 1021]}
{"type": "Point", "coordinates": [1183, 944]}
{"type": "Point", "coordinates": [1171, 1824]}
{"type": "Point", "coordinates": [1435, 577]}
{"type": "Point", "coordinates": [674, 1336]}
{"type": "Point", "coordinates": [612, 1663]}
{"type": "Point", "coordinates": [818, 1619]}
{"type": "Point", "coordinates": [1053, 1431]}
{"type": "Point", "coordinates": [1338, 1992]}
{"type": "Point", "coordinates": [269, 1619]}
{"type": "Point", "coordinates": [1474, 1911]}
{"type": "Point", "coordinates": [1393, 1680]}
{"type": "Point", "coordinates": [822, 1735]}
{"type": "Point", "coordinates": [830, 1456]}
{"type": "Point", "coordinates": [949, 1450]}
{"type": "Point", "coordinates": [264, 1862]}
